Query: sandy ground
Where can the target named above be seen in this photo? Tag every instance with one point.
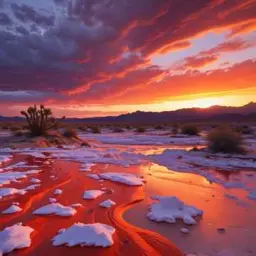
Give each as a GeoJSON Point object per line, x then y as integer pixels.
{"type": "Point", "coordinates": [135, 234]}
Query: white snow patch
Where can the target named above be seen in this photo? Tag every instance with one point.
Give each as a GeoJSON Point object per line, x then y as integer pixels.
{"type": "Point", "coordinates": [35, 180]}
{"type": "Point", "coordinates": [107, 203]}
{"type": "Point", "coordinates": [170, 208]}
{"type": "Point", "coordinates": [15, 237]}
{"type": "Point", "coordinates": [76, 205]}
{"type": "Point", "coordinates": [124, 178]}
{"type": "Point", "coordinates": [5, 158]}
{"type": "Point", "coordinates": [32, 187]}
{"type": "Point", "coordinates": [252, 195]}
{"type": "Point", "coordinates": [56, 209]}
{"type": "Point", "coordinates": [93, 176]}
{"type": "Point", "coordinates": [12, 209]}
{"type": "Point", "coordinates": [92, 194]}
{"type": "Point", "coordinates": [52, 200]}
{"type": "Point", "coordinates": [184, 230]}
{"type": "Point", "coordinates": [11, 191]}
{"type": "Point", "coordinates": [95, 234]}
{"type": "Point", "coordinates": [8, 177]}
{"type": "Point", "coordinates": [86, 167]}
{"type": "Point", "coordinates": [57, 191]}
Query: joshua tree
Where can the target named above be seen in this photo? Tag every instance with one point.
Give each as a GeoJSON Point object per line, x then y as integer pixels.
{"type": "Point", "coordinates": [39, 120]}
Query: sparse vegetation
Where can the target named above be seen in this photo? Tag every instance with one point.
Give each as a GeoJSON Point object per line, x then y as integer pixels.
{"type": "Point", "coordinates": [70, 133]}
{"type": "Point", "coordinates": [225, 140]}
{"type": "Point", "coordinates": [118, 129]}
{"type": "Point", "coordinates": [175, 129]}
{"type": "Point", "coordinates": [95, 129]}
{"type": "Point", "coordinates": [190, 129]}
{"type": "Point", "coordinates": [244, 129]}
{"type": "Point", "coordinates": [18, 133]}
{"type": "Point", "coordinates": [159, 127]}
{"type": "Point", "coordinates": [140, 129]}
{"type": "Point", "coordinates": [39, 120]}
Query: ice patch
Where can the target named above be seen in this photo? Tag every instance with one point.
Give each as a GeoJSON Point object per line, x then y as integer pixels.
{"type": "Point", "coordinates": [56, 209]}
{"type": "Point", "coordinates": [107, 204]}
{"type": "Point", "coordinates": [15, 237]}
{"type": "Point", "coordinates": [92, 194]}
{"type": "Point", "coordinates": [95, 234]}
{"type": "Point", "coordinates": [12, 209]}
{"type": "Point", "coordinates": [170, 208]}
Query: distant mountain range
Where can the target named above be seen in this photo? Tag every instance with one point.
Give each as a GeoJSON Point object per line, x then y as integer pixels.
{"type": "Point", "coordinates": [214, 113]}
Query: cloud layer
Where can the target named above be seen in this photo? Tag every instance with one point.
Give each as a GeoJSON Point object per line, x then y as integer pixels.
{"type": "Point", "coordinates": [100, 51]}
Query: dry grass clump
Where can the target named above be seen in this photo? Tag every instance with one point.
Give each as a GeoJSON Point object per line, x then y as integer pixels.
{"type": "Point", "coordinates": [175, 129]}
{"type": "Point", "coordinates": [95, 129]}
{"type": "Point", "coordinates": [140, 129]}
{"type": "Point", "coordinates": [70, 133]}
{"type": "Point", "coordinates": [118, 129]}
{"type": "Point", "coordinates": [225, 140]}
{"type": "Point", "coordinates": [159, 127]}
{"type": "Point", "coordinates": [190, 129]}
{"type": "Point", "coordinates": [244, 129]}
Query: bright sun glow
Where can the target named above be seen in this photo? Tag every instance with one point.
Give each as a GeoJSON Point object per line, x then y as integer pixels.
{"type": "Point", "coordinates": [206, 102]}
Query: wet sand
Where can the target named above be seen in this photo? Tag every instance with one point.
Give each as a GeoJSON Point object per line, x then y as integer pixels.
{"type": "Point", "coordinates": [236, 216]}
{"type": "Point", "coordinates": [128, 239]}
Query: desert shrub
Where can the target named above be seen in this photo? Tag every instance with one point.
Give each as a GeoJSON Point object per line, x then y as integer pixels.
{"type": "Point", "coordinates": [175, 129]}
{"type": "Point", "coordinates": [15, 128]}
{"type": "Point", "coordinates": [159, 127]}
{"type": "Point", "coordinates": [5, 127]}
{"type": "Point", "coordinates": [189, 129]}
{"type": "Point", "coordinates": [244, 129]}
{"type": "Point", "coordinates": [128, 127]}
{"type": "Point", "coordinates": [18, 133]}
{"type": "Point", "coordinates": [225, 140]}
{"type": "Point", "coordinates": [140, 129]}
{"type": "Point", "coordinates": [95, 129]}
{"type": "Point", "coordinates": [118, 129]}
{"type": "Point", "coordinates": [39, 120]}
{"type": "Point", "coordinates": [70, 133]}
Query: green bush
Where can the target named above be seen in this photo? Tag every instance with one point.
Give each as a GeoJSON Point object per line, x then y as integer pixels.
{"type": "Point", "coordinates": [70, 133]}
{"type": "Point", "coordinates": [189, 129]}
{"type": "Point", "coordinates": [225, 140]}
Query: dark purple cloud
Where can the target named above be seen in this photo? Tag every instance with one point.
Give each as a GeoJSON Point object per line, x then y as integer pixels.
{"type": "Point", "coordinates": [89, 49]}
{"type": "Point", "coordinates": [5, 19]}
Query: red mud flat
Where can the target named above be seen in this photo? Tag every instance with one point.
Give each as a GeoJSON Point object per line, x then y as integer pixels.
{"type": "Point", "coordinates": [128, 239]}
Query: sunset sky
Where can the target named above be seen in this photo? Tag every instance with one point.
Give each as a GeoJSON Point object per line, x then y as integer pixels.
{"type": "Point", "coordinates": [106, 57]}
